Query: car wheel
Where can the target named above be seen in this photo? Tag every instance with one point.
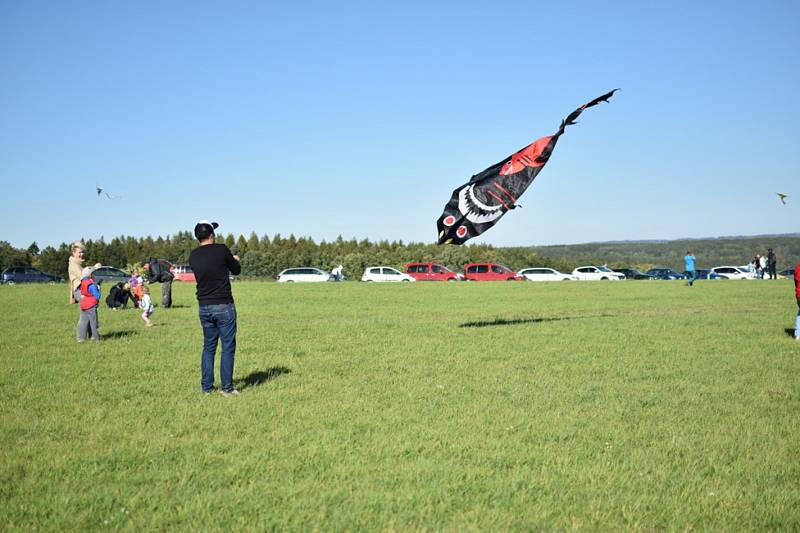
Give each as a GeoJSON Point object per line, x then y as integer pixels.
{"type": "Point", "coordinates": [10, 282]}
{"type": "Point", "coordinates": [604, 279]}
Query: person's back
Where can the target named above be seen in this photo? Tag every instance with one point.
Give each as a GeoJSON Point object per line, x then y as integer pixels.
{"type": "Point", "coordinates": [688, 262]}
{"type": "Point", "coordinates": [211, 264]}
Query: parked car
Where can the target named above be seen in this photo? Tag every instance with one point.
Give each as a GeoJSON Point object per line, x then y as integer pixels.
{"type": "Point", "coordinates": [183, 273]}
{"type": "Point", "coordinates": [304, 274]}
{"type": "Point", "coordinates": [14, 275]}
{"type": "Point", "coordinates": [545, 274]}
{"type": "Point", "coordinates": [732, 272]}
{"type": "Point", "coordinates": [432, 272]}
{"type": "Point", "coordinates": [384, 273]}
{"type": "Point", "coordinates": [107, 273]}
{"type": "Point", "coordinates": [702, 273]}
{"type": "Point", "coordinates": [593, 273]}
{"type": "Point", "coordinates": [665, 273]}
{"type": "Point", "coordinates": [490, 272]}
{"type": "Point", "coordinates": [788, 273]}
{"type": "Point", "coordinates": [632, 273]}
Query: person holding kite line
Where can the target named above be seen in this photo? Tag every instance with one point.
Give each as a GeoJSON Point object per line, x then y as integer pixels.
{"type": "Point", "coordinates": [211, 264]}
{"type": "Point", "coordinates": [75, 268]}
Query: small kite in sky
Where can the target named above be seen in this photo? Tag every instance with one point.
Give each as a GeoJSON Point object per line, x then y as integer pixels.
{"type": "Point", "coordinates": [477, 205]}
{"type": "Point", "coordinates": [783, 197]}
{"type": "Point", "coordinates": [101, 190]}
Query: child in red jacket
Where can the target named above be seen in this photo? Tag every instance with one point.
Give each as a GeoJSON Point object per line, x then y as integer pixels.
{"type": "Point", "coordinates": [90, 300]}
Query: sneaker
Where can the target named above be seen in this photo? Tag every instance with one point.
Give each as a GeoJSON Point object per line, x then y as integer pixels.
{"type": "Point", "coordinates": [229, 393]}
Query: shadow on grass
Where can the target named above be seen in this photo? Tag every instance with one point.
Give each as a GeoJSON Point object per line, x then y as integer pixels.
{"type": "Point", "coordinates": [122, 334]}
{"type": "Point", "coordinates": [261, 376]}
{"type": "Point", "coordinates": [790, 332]}
{"type": "Point", "coordinates": [174, 306]}
{"type": "Point", "coordinates": [517, 321]}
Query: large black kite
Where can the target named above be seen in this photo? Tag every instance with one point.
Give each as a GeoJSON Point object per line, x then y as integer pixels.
{"type": "Point", "coordinates": [478, 204]}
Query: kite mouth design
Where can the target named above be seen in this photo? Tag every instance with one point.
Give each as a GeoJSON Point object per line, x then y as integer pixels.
{"type": "Point", "coordinates": [474, 210]}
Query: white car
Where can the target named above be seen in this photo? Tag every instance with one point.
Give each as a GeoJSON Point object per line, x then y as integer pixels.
{"type": "Point", "coordinates": [545, 274]}
{"type": "Point", "coordinates": [384, 273]}
{"type": "Point", "coordinates": [593, 273]}
{"type": "Point", "coordinates": [731, 272]}
{"type": "Point", "coordinates": [304, 274]}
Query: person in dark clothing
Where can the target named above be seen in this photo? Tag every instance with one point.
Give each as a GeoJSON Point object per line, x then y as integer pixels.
{"type": "Point", "coordinates": [158, 271]}
{"type": "Point", "coordinates": [119, 295]}
{"type": "Point", "coordinates": [772, 264]}
{"type": "Point", "coordinates": [211, 264]}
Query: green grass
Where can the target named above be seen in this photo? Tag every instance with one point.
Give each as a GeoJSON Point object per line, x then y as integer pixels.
{"type": "Point", "coordinates": [469, 406]}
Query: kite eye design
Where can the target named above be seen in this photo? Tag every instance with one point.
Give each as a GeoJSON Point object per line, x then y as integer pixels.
{"type": "Point", "coordinates": [474, 210]}
{"type": "Point", "coordinates": [461, 231]}
{"type": "Point", "coordinates": [449, 220]}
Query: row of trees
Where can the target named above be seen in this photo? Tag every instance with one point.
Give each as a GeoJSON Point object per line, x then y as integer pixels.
{"type": "Point", "coordinates": [265, 257]}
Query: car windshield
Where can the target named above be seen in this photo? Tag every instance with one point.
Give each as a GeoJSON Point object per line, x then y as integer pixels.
{"type": "Point", "coordinates": [605, 269]}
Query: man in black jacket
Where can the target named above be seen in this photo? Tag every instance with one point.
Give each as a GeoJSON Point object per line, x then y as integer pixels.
{"type": "Point", "coordinates": [158, 271]}
{"type": "Point", "coordinates": [211, 264]}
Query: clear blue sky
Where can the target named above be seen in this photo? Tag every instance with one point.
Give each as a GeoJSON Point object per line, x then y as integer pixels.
{"type": "Point", "coordinates": [360, 118]}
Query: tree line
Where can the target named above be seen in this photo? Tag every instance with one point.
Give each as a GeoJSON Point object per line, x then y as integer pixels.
{"type": "Point", "coordinates": [264, 256]}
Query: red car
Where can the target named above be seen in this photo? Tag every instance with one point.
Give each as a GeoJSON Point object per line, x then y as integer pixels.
{"type": "Point", "coordinates": [431, 272]}
{"type": "Point", "coordinates": [183, 273]}
{"type": "Point", "coordinates": [490, 272]}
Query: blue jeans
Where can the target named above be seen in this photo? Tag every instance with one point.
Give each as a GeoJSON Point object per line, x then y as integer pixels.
{"type": "Point", "coordinates": [691, 275]}
{"type": "Point", "coordinates": [797, 322]}
{"type": "Point", "coordinates": [219, 323]}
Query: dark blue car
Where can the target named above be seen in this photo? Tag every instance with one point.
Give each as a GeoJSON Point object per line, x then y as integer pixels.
{"type": "Point", "coordinates": [632, 273]}
{"type": "Point", "coordinates": [706, 274]}
{"type": "Point", "coordinates": [665, 273]}
{"type": "Point", "coordinates": [13, 275]}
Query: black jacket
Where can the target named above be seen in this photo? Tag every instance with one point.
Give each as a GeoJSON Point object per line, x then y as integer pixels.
{"type": "Point", "coordinates": [159, 271]}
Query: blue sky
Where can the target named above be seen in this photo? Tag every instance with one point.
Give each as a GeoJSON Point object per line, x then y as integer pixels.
{"type": "Point", "coordinates": [361, 118]}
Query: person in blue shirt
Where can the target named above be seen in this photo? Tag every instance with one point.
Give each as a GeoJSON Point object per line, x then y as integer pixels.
{"type": "Point", "coordinates": [688, 267]}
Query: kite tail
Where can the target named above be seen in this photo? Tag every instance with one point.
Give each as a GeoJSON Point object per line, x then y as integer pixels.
{"type": "Point", "coordinates": [570, 120]}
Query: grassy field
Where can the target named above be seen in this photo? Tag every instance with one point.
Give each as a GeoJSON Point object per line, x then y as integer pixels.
{"type": "Point", "coordinates": [468, 406]}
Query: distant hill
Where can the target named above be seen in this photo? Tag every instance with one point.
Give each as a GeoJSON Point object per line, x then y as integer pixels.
{"type": "Point", "coordinates": [710, 251]}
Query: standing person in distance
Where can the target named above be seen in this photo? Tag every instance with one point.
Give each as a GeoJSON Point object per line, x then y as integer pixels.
{"type": "Point", "coordinates": [211, 264]}
{"type": "Point", "coordinates": [688, 266]}
{"type": "Point", "coordinates": [797, 295]}
{"type": "Point", "coordinates": [772, 264]}
{"type": "Point", "coordinates": [158, 272]}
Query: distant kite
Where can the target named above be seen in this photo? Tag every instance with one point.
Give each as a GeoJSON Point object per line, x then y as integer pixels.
{"type": "Point", "coordinates": [477, 205]}
{"type": "Point", "coordinates": [100, 191]}
{"type": "Point", "coordinates": [783, 197]}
